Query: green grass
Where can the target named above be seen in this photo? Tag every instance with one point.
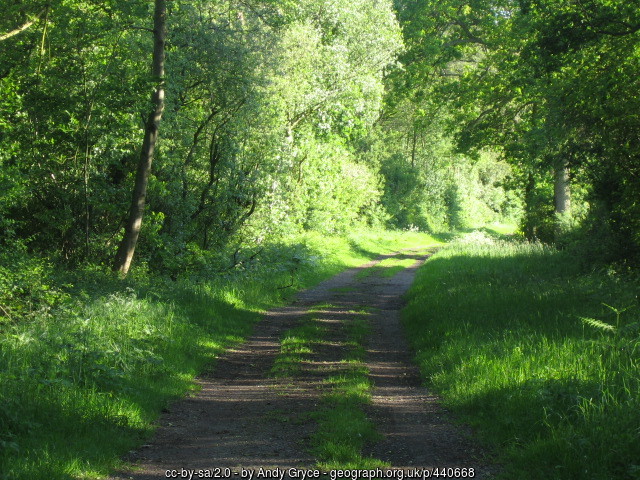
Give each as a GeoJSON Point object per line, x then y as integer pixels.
{"type": "Point", "coordinates": [387, 267]}
{"type": "Point", "coordinates": [501, 228]}
{"type": "Point", "coordinates": [343, 427]}
{"type": "Point", "coordinates": [499, 332]}
{"type": "Point", "coordinates": [81, 384]}
{"type": "Point", "coordinates": [297, 345]}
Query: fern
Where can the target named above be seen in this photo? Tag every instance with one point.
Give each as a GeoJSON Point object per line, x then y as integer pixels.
{"type": "Point", "coordinates": [600, 325]}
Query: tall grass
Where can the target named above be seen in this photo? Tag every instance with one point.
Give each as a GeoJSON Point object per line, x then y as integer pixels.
{"type": "Point", "coordinates": [514, 337]}
{"type": "Point", "coordinates": [82, 383]}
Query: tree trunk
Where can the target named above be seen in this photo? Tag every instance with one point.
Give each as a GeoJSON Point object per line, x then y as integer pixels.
{"type": "Point", "coordinates": [132, 229]}
{"type": "Point", "coordinates": [561, 192]}
{"type": "Point", "coordinates": [413, 147]}
{"type": "Point", "coordinates": [561, 197]}
{"type": "Point", "coordinates": [529, 220]}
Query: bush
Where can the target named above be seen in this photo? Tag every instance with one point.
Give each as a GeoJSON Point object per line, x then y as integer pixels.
{"type": "Point", "coordinates": [26, 285]}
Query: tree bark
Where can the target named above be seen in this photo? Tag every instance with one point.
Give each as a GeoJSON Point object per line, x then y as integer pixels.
{"type": "Point", "coordinates": [529, 226]}
{"type": "Point", "coordinates": [134, 223]}
{"type": "Point", "coordinates": [561, 191]}
{"type": "Point", "coordinates": [413, 146]}
{"type": "Point", "coordinates": [22, 28]}
{"type": "Point", "coordinates": [561, 197]}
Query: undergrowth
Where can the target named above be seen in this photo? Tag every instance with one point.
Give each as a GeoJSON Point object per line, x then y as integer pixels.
{"type": "Point", "coordinates": [87, 361]}
{"type": "Point", "coordinates": [541, 357]}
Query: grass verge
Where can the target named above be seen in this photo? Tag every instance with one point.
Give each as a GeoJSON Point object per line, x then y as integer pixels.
{"type": "Point", "coordinates": [81, 384]}
{"type": "Point", "coordinates": [343, 427]}
{"type": "Point", "coordinates": [541, 357]}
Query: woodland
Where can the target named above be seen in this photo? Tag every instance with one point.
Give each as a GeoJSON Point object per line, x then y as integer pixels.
{"type": "Point", "coordinates": [170, 169]}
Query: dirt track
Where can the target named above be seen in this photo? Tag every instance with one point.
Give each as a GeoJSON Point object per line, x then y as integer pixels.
{"type": "Point", "coordinates": [243, 418]}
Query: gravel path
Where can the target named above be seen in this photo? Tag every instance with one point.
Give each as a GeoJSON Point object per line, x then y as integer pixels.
{"type": "Point", "coordinates": [244, 419]}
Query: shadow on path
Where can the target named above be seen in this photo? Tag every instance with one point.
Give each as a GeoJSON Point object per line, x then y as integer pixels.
{"type": "Point", "coordinates": [244, 418]}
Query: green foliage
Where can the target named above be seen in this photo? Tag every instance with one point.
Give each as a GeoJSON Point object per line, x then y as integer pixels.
{"type": "Point", "coordinates": [435, 195]}
{"type": "Point", "coordinates": [261, 106]}
{"type": "Point", "coordinates": [28, 286]}
{"type": "Point", "coordinates": [298, 115]}
{"type": "Point", "coordinates": [84, 372]}
{"type": "Point", "coordinates": [281, 118]}
{"type": "Point", "coordinates": [329, 192]}
{"type": "Point", "coordinates": [497, 329]}
{"type": "Point", "coordinates": [538, 220]}
{"type": "Point", "coordinates": [545, 83]}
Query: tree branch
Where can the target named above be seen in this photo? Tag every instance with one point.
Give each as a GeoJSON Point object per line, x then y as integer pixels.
{"type": "Point", "coordinates": [471, 38]}
{"type": "Point", "coordinates": [23, 27]}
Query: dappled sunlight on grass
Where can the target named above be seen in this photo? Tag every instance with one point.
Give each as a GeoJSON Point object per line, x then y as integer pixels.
{"type": "Point", "coordinates": [296, 346]}
{"type": "Point", "coordinates": [498, 333]}
{"type": "Point", "coordinates": [387, 267]}
{"type": "Point", "coordinates": [82, 384]}
{"type": "Point", "coordinates": [343, 427]}
{"type": "Point", "coordinates": [501, 228]}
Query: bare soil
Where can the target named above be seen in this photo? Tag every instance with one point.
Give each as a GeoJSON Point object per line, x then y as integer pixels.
{"type": "Point", "coordinates": [244, 418]}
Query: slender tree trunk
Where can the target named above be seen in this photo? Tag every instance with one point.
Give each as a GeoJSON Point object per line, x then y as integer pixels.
{"type": "Point", "coordinates": [413, 147]}
{"type": "Point", "coordinates": [529, 224]}
{"type": "Point", "coordinates": [132, 229]}
{"type": "Point", "coordinates": [561, 191]}
{"type": "Point", "coordinates": [561, 196]}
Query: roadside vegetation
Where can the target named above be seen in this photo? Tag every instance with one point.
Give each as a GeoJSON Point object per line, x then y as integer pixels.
{"type": "Point", "coordinates": [220, 155]}
{"type": "Point", "coordinates": [82, 381]}
{"type": "Point", "coordinates": [539, 354]}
